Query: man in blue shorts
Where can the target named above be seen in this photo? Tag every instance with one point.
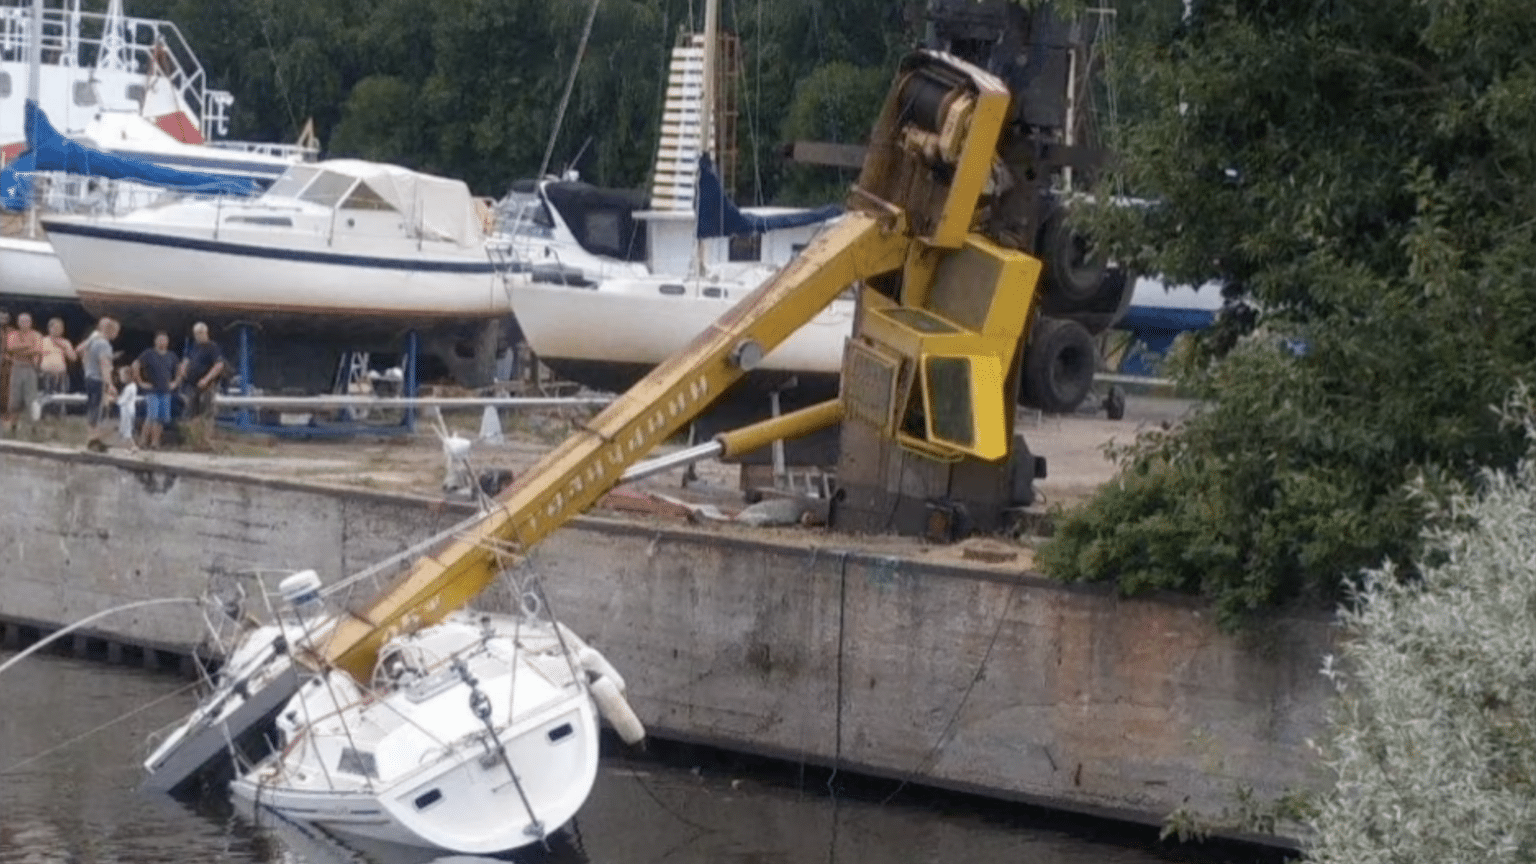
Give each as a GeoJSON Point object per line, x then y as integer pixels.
{"type": "Point", "coordinates": [156, 372]}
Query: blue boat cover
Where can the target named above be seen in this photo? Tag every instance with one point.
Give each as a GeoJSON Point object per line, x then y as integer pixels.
{"type": "Point", "coordinates": [720, 217]}
{"type": "Point", "coordinates": [47, 150]}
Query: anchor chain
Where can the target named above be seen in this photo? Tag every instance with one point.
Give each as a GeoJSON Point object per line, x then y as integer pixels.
{"type": "Point", "coordinates": [480, 706]}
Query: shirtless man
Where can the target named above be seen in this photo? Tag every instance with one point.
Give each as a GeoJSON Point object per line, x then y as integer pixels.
{"type": "Point", "coordinates": [24, 347]}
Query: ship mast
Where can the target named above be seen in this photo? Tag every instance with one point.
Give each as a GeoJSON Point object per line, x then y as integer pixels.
{"type": "Point", "coordinates": [35, 73]}
{"type": "Point", "coordinates": [706, 114]}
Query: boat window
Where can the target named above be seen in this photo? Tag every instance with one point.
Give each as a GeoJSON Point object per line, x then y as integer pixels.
{"type": "Point", "coordinates": [85, 93]}
{"type": "Point", "coordinates": [746, 247]}
{"type": "Point", "coordinates": [560, 732]}
{"type": "Point", "coordinates": [364, 198]}
{"type": "Point", "coordinates": [327, 189]}
{"type": "Point", "coordinates": [427, 799]}
{"type": "Point", "coordinates": [135, 93]}
{"type": "Point", "coordinates": [353, 761]}
{"type": "Point", "coordinates": [5, 84]}
{"type": "Point", "coordinates": [293, 180]}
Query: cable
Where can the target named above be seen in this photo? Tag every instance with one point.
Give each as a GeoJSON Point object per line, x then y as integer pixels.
{"type": "Point", "coordinates": [180, 691]}
{"type": "Point", "coordinates": [981, 669]}
{"type": "Point", "coordinates": [43, 643]}
{"type": "Point", "coordinates": [570, 84]}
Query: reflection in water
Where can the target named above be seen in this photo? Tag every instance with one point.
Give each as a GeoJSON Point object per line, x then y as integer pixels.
{"type": "Point", "coordinates": [80, 803]}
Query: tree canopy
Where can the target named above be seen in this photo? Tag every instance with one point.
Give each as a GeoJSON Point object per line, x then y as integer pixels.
{"type": "Point", "coordinates": [469, 88]}
{"type": "Point", "coordinates": [1361, 173]}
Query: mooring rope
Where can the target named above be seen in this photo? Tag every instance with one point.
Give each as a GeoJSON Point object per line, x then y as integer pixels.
{"type": "Point", "coordinates": [45, 642]}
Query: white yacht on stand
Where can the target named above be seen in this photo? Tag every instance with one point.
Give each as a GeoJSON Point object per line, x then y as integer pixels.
{"type": "Point", "coordinates": [342, 251]}
{"type": "Point", "coordinates": [650, 272]}
{"type": "Point", "coordinates": [119, 84]}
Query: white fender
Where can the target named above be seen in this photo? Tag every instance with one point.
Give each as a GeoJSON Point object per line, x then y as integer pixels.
{"type": "Point", "coordinates": [593, 661]}
{"type": "Point", "coordinates": [614, 708]}
{"type": "Point", "coordinates": [590, 659]}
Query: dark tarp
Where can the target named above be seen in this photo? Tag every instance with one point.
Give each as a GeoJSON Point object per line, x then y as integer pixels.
{"type": "Point", "coordinates": [47, 150]}
{"type": "Point", "coordinates": [603, 220]}
{"type": "Point", "coordinates": [720, 217]}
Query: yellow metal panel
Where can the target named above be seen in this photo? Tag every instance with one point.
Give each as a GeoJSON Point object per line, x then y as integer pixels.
{"type": "Point", "coordinates": [574, 475]}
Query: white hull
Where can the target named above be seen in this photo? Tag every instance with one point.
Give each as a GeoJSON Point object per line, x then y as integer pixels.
{"type": "Point", "coordinates": [30, 269]}
{"type": "Point", "coordinates": [478, 735]}
{"type": "Point", "coordinates": [631, 321]}
{"type": "Point", "coordinates": [117, 266]}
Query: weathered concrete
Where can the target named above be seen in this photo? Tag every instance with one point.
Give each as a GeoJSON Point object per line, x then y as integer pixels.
{"type": "Point", "coordinates": [973, 679]}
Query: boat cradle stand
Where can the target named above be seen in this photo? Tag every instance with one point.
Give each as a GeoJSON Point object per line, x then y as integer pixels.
{"type": "Point", "coordinates": [249, 420]}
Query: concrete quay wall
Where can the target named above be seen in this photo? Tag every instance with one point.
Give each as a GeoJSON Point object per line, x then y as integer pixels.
{"type": "Point", "coordinates": [979, 680]}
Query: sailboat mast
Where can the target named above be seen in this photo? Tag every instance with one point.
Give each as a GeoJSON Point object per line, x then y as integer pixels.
{"type": "Point", "coordinates": [707, 143]}
{"type": "Point", "coordinates": [706, 113]}
{"type": "Point", "coordinates": [35, 73]}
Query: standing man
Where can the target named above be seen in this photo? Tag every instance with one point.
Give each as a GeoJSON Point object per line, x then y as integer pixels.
{"type": "Point", "coordinates": [58, 353]}
{"type": "Point", "coordinates": [5, 366]}
{"type": "Point", "coordinates": [157, 373]}
{"type": "Point", "coordinates": [201, 372]}
{"type": "Point", "coordinates": [24, 347]}
{"type": "Point", "coordinates": [96, 358]}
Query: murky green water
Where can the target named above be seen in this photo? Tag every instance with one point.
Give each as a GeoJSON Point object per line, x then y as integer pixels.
{"type": "Point", "coordinates": [79, 804]}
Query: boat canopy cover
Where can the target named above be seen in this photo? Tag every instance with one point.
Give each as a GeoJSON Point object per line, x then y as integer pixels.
{"type": "Point", "coordinates": [437, 207]}
{"type": "Point", "coordinates": [603, 220]}
{"type": "Point", "coordinates": [47, 150]}
{"type": "Point", "coordinates": [720, 217]}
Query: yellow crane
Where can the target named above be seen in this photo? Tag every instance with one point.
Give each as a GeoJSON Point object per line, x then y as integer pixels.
{"type": "Point", "coordinates": [942, 314]}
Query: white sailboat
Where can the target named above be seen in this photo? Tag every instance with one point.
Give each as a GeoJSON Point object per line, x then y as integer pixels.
{"type": "Point", "coordinates": [651, 272]}
{"type": "Point", "coordinates": [475, 735]}
{"type": "Point", "coordinates": [120, 84]}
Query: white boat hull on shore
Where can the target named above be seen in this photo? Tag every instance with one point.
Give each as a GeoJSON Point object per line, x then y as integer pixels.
{"type": "Point", "coordinates": [140, 274]}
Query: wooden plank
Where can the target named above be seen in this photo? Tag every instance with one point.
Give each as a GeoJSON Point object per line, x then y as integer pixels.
{"type": "Point", "coordinates": [827, 153]}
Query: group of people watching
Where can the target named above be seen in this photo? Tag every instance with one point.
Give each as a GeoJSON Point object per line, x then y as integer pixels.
{"type": "Point", "coordinates": [37, 365]}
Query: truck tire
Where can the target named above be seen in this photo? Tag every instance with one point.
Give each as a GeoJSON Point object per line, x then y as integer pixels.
{"type": "Point", "coordinates": [1058, 366]}
{"type": "Point", "coordinates": [1074, 271]}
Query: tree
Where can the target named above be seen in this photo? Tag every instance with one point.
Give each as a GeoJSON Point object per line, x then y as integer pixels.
{"type": "Point", "coordinates": [1434, 731]}
{"type": "Point", "coordinates": [1361, 173]}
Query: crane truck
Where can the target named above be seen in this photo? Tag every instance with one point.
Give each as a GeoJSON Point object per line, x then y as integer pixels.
{"type": "Point", "coordinates": [928, 376]}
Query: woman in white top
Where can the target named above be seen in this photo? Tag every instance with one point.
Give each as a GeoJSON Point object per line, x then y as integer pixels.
{"type": "Point", "coordinates": [53, 364]}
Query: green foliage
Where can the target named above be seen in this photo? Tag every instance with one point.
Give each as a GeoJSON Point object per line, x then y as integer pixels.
{"type": "Point", "coordinates": [1433, 733]}
{"type": "Point", "coordinates": [1361, 173]}
{"type": "Point", "coordinates": [469, 88]}
{"type": "Point", "coordinates": [836, 102]}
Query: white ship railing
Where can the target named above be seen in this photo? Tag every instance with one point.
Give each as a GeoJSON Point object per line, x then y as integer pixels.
{"type": "Point", "coordinates": [83, 39]}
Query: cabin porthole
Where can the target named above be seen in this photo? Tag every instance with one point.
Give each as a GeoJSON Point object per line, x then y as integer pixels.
{"type": "Point", "coordinates": [427, 799]}
{"type": "Point", "coordinates": [560, 733]}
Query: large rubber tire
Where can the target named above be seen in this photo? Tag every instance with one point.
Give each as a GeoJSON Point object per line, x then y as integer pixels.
{"type": "Point", "coordinates": [1074, 271]}
{"type": "Point", "coordinates": [1058, 366]}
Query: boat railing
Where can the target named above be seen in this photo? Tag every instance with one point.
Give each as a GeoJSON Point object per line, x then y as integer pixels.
{"type": "Point", "coordinates": [288, 152]}
{"type": "Point", "coordinates": [73, 194]}
{"type": "Point", "coordinates": [74, 37]}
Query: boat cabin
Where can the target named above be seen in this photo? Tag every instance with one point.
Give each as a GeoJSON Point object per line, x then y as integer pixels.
{"type": "Point", "coordinates": [374, 198]}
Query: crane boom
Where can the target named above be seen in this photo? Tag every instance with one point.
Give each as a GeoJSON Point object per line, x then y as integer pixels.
{"type": "Point", "coordinates": [943, 331]}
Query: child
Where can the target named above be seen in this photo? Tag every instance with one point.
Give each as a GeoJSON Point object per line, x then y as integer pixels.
{"type": "Point", "coordinates": [127, 405]}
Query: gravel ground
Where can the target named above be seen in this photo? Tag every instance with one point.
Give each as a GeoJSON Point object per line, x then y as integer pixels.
{"type": "Point", "coordinates": [1073, 445]}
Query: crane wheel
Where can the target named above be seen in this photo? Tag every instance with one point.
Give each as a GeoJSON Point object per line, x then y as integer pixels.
{"type": "Point", "coordinates": [1058, 366]}
{"type": "Point", "coordinates": [1074, 270]}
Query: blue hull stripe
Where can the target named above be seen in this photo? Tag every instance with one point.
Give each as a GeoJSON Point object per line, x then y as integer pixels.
{"type": "Point", "coordinates": [247, 251]}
